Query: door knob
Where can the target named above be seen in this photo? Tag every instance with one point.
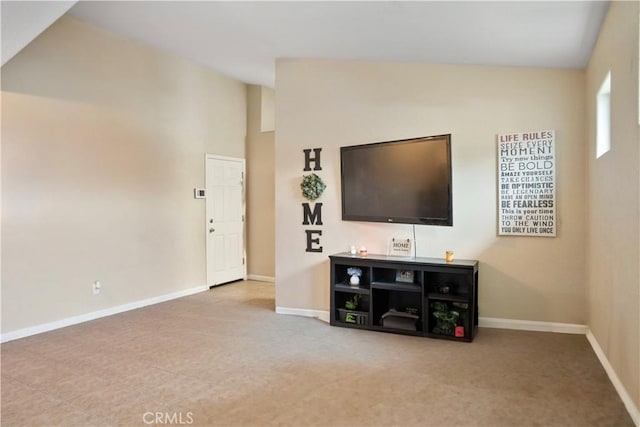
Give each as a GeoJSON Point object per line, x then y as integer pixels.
{"type": "Point", "coordinates": [211, 230]}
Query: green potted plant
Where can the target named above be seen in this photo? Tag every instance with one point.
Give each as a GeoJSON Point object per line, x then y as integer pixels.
{"type": "Point", "coordinates": [352, 304]}
{"type": "Point", "coordinates": [446, 319]}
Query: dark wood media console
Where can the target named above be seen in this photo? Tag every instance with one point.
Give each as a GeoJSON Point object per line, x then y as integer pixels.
{"type": "Point", "coordinates": [415, 296]}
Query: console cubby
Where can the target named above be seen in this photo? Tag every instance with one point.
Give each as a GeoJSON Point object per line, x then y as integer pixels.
{"type": "Point", "coordinates": [394, 276]}
{"type": "Point", "coordinates": [448, 286]}
{"type": "Point", "coordinates": [386, 300]}
{"type": "Point", "coordinates": [443, 328]}
{"type": "Point", "coordinates": [343, 297]}
{"type": "Point", "coordinates": [358, 315]}
{"type": "Point", "coordinates": [341, 276]}
{"type": "Point", "coordinates": [416, 296]}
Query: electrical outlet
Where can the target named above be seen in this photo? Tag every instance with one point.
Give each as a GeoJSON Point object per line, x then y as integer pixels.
{"type": "Point", "coordinates": [96, 287]}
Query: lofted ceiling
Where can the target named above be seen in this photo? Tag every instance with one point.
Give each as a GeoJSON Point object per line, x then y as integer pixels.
{"type": "Point", "coordinates": [242, 39]}
{"type": "Point", "coordinates": [23, 21]}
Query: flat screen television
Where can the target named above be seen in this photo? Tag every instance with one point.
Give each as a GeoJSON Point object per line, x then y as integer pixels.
{"type": "Point", "coordinates": [406, 181]}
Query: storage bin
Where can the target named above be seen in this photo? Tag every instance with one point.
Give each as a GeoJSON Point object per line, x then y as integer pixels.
{"type": "Point", "coordinates": [353, 317]}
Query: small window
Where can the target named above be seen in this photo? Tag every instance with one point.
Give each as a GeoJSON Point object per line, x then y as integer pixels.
{"type": "Point", "coordinates": [603, 117]}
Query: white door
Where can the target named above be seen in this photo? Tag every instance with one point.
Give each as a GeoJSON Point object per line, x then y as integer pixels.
{"type": "Point", "coordinates": [225, 219]}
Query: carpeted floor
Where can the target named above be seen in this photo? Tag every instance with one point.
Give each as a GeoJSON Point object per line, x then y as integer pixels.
{"type": "Point", "coordinates": [224, 358]}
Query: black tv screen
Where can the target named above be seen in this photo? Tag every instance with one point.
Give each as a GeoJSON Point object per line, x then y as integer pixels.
{"type": "Point", "coordinates": [405, 181]}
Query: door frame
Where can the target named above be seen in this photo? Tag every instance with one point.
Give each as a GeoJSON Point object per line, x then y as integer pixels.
{"type": "Point", "coordinates": [241, 160]}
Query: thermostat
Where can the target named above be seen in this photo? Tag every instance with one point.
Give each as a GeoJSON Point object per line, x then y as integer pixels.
{"type": "Point", "coordinates": [199, 193]}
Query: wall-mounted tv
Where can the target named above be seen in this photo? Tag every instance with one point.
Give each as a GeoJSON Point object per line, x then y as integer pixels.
{"type": "Point", "coordinates": [406, 181]}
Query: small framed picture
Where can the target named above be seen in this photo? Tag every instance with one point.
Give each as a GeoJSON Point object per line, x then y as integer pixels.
{"type": "Point", "coordinates": [405, 276]}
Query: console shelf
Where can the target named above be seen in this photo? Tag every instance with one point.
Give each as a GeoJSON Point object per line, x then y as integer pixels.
{"type": "Point", "coordinates": [413, 296]}
{"type": "Point", "coordinates": [407, 287]}
{"type": "Point", "coordinates": [341, 287]}
{"type": "Point", "coordinates": [457, 298]}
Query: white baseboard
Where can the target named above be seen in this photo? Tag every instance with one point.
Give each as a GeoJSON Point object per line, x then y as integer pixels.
{"type": "Point", "coordinates": [617, 384]}
{"type": "Point", "coordinates": [532, 325]}
{"type": "Point", "coordinates": [318, 314]}
{"type": "Point", "coordinates": [483, 322]}
{"type": "Point", "coordinates": [38, 329]}
{"type": "Point", "coordinates": [259, 278]}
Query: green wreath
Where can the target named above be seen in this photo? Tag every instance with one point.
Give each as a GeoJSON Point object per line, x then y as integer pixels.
{"type": "Point", "coordinates": [312, 186]}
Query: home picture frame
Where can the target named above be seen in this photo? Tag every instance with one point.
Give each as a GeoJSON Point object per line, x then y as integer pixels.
{"type": "Point", "coordinates": [400, 246]}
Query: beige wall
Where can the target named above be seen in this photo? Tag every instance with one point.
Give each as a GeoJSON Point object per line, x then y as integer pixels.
{"type": "Point", "coordinates": [329, 104]}
{"type": "Point", "coordinates": [613, 257]}
{"type": "Point", "coordinates": [268, 109]}
{"type": "Point", "coordinates": [260, 184]}
{"type": "Point", "coordinates": [103, 142]}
